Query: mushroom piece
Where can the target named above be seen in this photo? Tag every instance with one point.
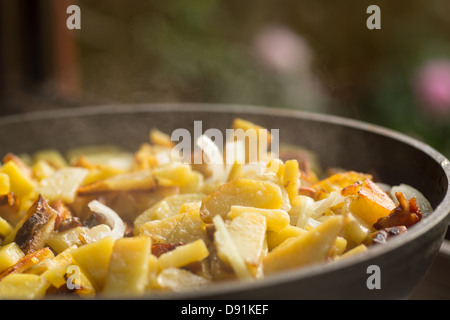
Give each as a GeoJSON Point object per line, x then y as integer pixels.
{"type": "Point", "coordinates": [37, 227]}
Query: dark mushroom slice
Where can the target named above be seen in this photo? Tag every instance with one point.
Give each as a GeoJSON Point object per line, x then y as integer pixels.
{"type": "Point", "coordinates": [37, 227]}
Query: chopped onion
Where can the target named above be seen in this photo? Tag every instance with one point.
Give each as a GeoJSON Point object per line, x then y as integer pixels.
{"type": "Point", "coordinates": [306, 210]}
{"type": "Point", "coordinates": [323, 205]}
{"type": "Point", "coordinates": [214, 157]}
{"type": "Point", "coordinates": [313, 223]}
{"type": "Point", "coordinates": [410, 192]}
{"type": "Point", "coordinates": [112, 219]}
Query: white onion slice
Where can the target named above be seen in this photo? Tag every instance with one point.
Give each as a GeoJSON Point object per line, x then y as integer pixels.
{"type": "Point", "coordinates": [306, 210]}
{"type": "Point", "coordinates": [323, 205]}
{"type": "Point", "coordinates": [410, 192]}
{"type": "Point", "coordinates": [214, 157]}
{"type": "Point", "coordinates": [112, 219]}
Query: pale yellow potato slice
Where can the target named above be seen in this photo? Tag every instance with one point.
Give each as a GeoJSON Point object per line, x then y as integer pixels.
{"type": "Point", "coordinates": [291, 178]}
{"type": "Point", "coordinates": [241, 192]}
{"type": "Point", "coordinates": [125, 182]}
{"type": "Point", "coordinates": [5, 228]}
{"type": "Point", "coordinates": [23, 286]}
{"type": "Point", "coordinates": [248, 232]}
{"type": "Point", "coordinates": [167, 207]}
{"type": "Point", "coordinates": [20, 181]}
{"type": "Point", "coordinates": [228, 250]}
{"type": "Point", "coordinates": [183, 255]}
{"type": "Point", "coordinates": [27, 262]}
{"type": "Point", "coordinates": [276, 219]}
{"type": "Point", "coordinates": [274, 239]}
{"type": "Point", "coordinates": [176, 280]}
{"type": "Point", "coordinates": [93, 258]}
{"type": "Point", "coordinates": [159, 230]}
{"type": "Point", "coordinates": [9, 255]}
{"type": "Point", "coordinates": [62, 184]}
{"type": "Point", "coordinates": [313, 247]}
{"type": "Point", "coordinates": [128, 267]}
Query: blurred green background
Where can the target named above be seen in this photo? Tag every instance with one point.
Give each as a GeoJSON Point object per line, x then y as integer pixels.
{"type": "Point", "coordinates": [309, 55]}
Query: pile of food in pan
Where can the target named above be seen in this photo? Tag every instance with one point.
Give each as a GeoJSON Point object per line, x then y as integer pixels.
{"type": "Point", "coordinates": [101, 221]}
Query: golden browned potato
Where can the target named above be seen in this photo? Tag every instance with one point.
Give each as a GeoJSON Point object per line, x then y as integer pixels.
{"type": "Point", "coordinates": [370, 202]}
{"type": "Point", "coordinates": [241, 192]}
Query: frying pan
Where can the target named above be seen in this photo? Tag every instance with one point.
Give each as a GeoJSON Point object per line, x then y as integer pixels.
{"type": "Point", "coordinates": [392, 157]}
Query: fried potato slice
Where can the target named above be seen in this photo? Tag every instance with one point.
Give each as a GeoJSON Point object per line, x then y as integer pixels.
{"type": "Point", "coordinates": [9, 255]}
{"type": "Point", "coordinates": [60, 241]}
{"type": "Point", "coordinates": [62, 184]}
{"type": "Point", "coordinates": [228, 250]}
{"type": "Point", "coordinates": [159, 230]}
{"type": "Point", "coordinates": [129, 182]}
{"type": "Point", "coordinates": [275, 238]}
{"type": "Point", "coordinates": [5, 228]}
{"type": "Point", "coordinates": [276, 219]}
{"type": "Point", "coordinates": [191, 227]}
{"type": "Point", "coordinates": [51, 156]}
{"type": "Point", "coordinates": [356, 250]}
{"type": "Point", "coordinates": [53, 272]}
{"type": "Point", "coordinates": [167, 207]}
{"type": "Point", "coordinates": [241, 192]}
{"type": "Point", "coordinates": [93, 258]}
{"type": "Point", "coordinates": [42, 170]}
{"type": "Point", "coordinates": [183, 255]}
{"type": "Point", "coordinates": [21, 182]}
{"type": "Point", "coordinates": [291, 178]}
{"type": "Point", "coordinates": [128, 267]}
{"type": "Point", "coordinates": [312, 247]}
{"type": "Point", "coordinates": [5, 184]}
{"type": "Point", "coordinates": [179, 174]}
{"type": "Point", "coordinates": [370, 202]}
{"type": "Point", "coordinates": [97, 172]}
{"type": "Point", "coordinates": [176, 279]}
{"type": "Point", "coordinates": [184, 227]}
{"type": "Point", "coordinates": [64, 274]}
{"type": "Point", "coordinates": [27, 262]}
{"type": "Point", "coordinates": [23, 286]}
{"type": "Point", "coordinates": [248, 232]}
{"type": "Point", "coordinates": [340, 180]}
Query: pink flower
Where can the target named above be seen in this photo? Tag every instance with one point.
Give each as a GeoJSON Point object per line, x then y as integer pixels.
{"type": "Point", "coordinates": [282, 49]}
{"type": "Point", "coordinates": [432, 86]}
